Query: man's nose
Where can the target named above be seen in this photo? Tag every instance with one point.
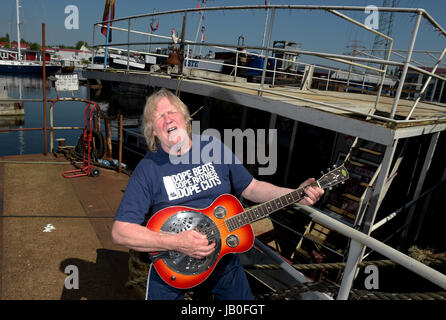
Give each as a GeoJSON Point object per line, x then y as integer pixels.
{"type": "Point", "coordinates": [165, 116]}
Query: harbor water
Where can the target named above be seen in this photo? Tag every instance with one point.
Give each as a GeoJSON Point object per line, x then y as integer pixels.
{"type": "Point", "coordinates": [66, 114]}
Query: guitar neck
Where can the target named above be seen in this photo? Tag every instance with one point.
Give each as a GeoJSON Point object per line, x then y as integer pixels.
{"type": "Point", "coordinates": [261, 211]}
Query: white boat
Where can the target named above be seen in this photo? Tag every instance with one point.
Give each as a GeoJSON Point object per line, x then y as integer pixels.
{"type": "Point", "coordinates": [11, 60]}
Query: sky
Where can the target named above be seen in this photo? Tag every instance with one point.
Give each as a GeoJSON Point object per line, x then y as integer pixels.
{"type": "Point", "coordinates": [315, 30]}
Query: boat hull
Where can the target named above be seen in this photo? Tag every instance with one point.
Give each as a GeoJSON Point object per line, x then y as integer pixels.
{"type": "Point", "coordinates": [27, 69]}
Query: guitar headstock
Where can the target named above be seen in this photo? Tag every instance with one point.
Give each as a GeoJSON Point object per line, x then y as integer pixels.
{"type": "Point", "coordinates": [333, 177]}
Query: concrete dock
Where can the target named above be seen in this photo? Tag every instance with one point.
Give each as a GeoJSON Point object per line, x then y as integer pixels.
{"type": "Point", "coordinates": [49, 223]}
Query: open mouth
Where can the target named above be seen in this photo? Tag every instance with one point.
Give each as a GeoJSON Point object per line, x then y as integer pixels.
{"type": "Point", "coordinates": [171, 129]}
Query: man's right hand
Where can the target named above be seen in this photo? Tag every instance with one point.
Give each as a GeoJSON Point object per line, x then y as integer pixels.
{"type": "Point", "coordinates": [194, 244]}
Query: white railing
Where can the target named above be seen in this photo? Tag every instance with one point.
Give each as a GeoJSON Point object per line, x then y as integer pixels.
{"type": "Point", "coordinates": [332, 74]}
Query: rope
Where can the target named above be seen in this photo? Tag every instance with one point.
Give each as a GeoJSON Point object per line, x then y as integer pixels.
{"type": "Point", "coordinates": [139, 269]}
{"type": "Point", "coordinates": [427, 256]}
{"type": "Point", "coordinates": [321, 266]}
{"type": "Point", "coordinates": [420, 255]}
{"type": "Point", "coordinates": [355, 294]}
{"type": "Point", "coordinates": [177, 91]}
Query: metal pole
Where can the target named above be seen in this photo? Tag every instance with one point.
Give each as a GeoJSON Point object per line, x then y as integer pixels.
{"type": "Point", "coordinates": [354, 257]}
{"type": "Point", "coordinates": [383, 76]}
{"type": "Point", "coordinates": [108, 152]}
{"type": "Point", "coordinates": [441, 92]}
{"type": "Point", "coordinates": [363, 81]}
{"type": "Point", "coordinates": [183, 41]}
{"type": "Point", "coordinates": [406, 66]}
{"type": "Point", "coordinates": [380, 184]}
{"type": "Point", "coordinates": [44, 90]}
{"type": "Point", "coordinates": [18, 31]}
{"type": "Point", "coordinates": [106, 43]}
{"type": "Point", "coordinates": [407, 205]}
{"type": "Point", "coordinates": [128, 46]}
{"type": "Point", "coordinates": [290, 153]}
{"type": "Point", "coordinates": [409, 263]}
{"type": "Point", "coordinates": [236, 65]}
{"type": "Point", "coordinates": [120, 143]}
{"type": "Point", "coordinates": [348, 77]}
{"type": "Point", "coordinates": [51, 127]}
{"type": "Point", "coordinates": [265, 61]}
{"type": "Point", "coordinates": [433, 90]}
{"type": "Point", "coordinates": [94, 49]}
{"type": "Point", "coordinates": [424, 170]}
{"type": "Point", "coordinates": [264, 29]}
{"type": "Point", "coordinates": [423, 89]}
{"type": "Point", "coordinates": [328, 81]}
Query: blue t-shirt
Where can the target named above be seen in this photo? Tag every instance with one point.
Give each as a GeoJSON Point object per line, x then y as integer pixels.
{"type": "Point", "coordinates": [194, 179]}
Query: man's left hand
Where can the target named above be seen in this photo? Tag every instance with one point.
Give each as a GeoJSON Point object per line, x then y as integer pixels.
{"type": "Point", "coordinates": [313, 193]}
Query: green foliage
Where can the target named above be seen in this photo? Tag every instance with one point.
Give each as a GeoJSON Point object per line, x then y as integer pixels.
{"type": "Point", "coordinates": [34, 46]}
{"type": "Point", "coordinates": [79, 44]}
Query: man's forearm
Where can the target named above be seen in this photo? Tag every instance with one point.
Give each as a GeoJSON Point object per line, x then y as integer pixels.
{"type": "Point", "coordinates": [139, 238]}
{"type": "Point", "coordinates": [262, 191]}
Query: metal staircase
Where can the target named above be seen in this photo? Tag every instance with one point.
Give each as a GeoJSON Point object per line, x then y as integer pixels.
{"type": "Point", "coordinates": [348, 203]}
{"type": "Point", "coordinates": [350, 200]}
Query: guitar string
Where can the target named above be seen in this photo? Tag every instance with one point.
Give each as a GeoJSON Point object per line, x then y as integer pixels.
{"type": "Point", "coordinates": [217, 226]}
{"type": "Point", "coordinates": [300, 193]}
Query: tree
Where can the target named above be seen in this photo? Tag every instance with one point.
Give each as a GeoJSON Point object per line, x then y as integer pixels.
{"type": "Point", "coordinates": [81, 43]}
{"type": "Point", "coordinates": [34, 46]}
{"type": "Point", "coordinates": [5, 39]}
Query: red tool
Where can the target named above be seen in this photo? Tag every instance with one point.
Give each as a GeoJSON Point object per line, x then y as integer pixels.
{"type": "Point", "coordinates": [87, 168]}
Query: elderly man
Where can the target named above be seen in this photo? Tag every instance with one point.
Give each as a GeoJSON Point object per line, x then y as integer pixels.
{"type": "Point", "coordinates": [167, 129]}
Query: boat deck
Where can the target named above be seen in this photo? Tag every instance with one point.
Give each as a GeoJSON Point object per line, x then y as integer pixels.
{"type": "Point", "coordinates": [343, 112]}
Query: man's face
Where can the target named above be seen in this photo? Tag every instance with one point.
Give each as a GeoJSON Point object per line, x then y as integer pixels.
{"type": "Point", "coordinates": [169, 125]}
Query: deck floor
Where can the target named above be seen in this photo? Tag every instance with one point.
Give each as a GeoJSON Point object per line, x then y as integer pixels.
{"type": "Point", "coordinates": [356, 102]}
{"type": "Point", "coordinates": [34, 194]}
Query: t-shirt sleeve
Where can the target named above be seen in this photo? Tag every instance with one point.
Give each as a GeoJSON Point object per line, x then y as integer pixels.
{"type": "Point", "coordinates": [137, 197]}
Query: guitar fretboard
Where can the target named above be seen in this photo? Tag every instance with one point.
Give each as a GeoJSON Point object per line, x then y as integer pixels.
{"type": "Point", "coordinates": [261, 211]}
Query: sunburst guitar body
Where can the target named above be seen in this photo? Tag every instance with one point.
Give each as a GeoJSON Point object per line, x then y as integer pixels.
{"type": "Point", "coordinates": [224, 222]}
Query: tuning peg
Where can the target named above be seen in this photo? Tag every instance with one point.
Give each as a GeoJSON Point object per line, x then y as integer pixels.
{"type": "Point", "coordinates": [334, 166]}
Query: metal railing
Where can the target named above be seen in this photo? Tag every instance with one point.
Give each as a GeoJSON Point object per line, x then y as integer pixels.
{"type": "Point", "coordinates": [361, 240]}
{"type": "Point", "coordinates": [271, 52]}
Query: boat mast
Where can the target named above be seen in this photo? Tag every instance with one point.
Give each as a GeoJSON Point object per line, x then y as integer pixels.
{"type": "Point", "coordinates": [18, 30]}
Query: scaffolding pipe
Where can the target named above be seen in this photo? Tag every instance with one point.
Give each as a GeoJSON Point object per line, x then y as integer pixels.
{"type": "Point", "coordinates": [343, 16]}
{"type": "Point", "coordinates": [290, 7]}
{"type": "Point", "coordinates": [426, 165]}
{"type": "Point", "coordinates": [265, 61]}
{"type": "Point", "coordinates": [406, 66]}
{"type": "Point", "coordinates": [407, 205]}
{"type": "Point", "coordinates": [361, 238]}
{"type": "Point", "coordinates": [423, 89]}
